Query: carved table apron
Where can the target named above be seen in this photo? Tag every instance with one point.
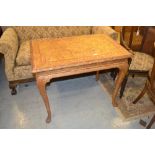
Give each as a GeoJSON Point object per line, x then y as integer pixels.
{"type": "Point", "coordinates": [53, 58]}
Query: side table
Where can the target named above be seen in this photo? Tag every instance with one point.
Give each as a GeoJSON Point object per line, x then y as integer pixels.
{"type": "Point", "coordinates": [54, 58]}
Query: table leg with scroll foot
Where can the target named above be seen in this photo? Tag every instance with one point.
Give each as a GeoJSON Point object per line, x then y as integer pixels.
{"type": "Point", "coordinates": [41, 83]}
{"type": "Point", "coordinates": [123, 68]}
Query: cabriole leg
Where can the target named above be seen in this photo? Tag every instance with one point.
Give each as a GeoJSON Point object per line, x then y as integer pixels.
{"type": "Point", "coordinates": [41, 83]}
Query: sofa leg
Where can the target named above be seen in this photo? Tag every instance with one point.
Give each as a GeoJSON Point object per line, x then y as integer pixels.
{"type": "Point", "coordinates": [13, 91]}
{"type": "Point", "coordinates": [13, 86]}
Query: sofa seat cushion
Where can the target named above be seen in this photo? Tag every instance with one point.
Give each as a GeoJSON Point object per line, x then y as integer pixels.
{"type": "Point", "coordinates": [22, 72]}
{"type": "Point", "coordinates": [23, 56]}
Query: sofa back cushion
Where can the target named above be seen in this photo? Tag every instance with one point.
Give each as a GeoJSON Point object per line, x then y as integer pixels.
{"type": "Point", "coordinates": [36, 32]}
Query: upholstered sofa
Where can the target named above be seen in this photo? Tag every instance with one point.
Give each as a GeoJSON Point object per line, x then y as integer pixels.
{"type": "Point", "coordinates": [15, 45]}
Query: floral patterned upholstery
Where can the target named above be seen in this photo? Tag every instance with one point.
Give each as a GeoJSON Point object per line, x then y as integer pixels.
{"type": "Point", "coordinates": [141, 62]}
{"type": "Point", "coordinates": [26, 33]}
{"type": "Point", "coordinates": [23, 57]}
{"type": "Point", "coordinates": [22, 72]}
{"type": "Point", "coordinates": [15, 44]}
{"type": "Point", "coordinates": [9, 47]}
{"type": "Point", "coordinates": [105, 30]}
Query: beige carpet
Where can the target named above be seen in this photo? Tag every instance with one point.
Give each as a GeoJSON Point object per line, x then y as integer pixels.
{"type": "Point", "coordinates": [125, 107]}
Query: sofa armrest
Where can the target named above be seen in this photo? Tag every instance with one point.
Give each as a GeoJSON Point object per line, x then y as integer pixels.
{"type": "Point", "coordinates": [9, 47]}
{"type": "Point", "coordinates": [105, 30]}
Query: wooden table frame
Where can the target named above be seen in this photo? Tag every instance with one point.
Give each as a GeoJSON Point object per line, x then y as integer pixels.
{"type": "Point", "coordinates": [44, 76]}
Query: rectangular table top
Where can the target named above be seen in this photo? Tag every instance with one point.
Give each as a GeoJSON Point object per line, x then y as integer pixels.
{"type": "Point", "coordinates": [50, 54]}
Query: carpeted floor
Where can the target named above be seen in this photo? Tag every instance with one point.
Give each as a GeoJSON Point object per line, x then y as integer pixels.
{"type": "Point", "coordinates": [126, 108]}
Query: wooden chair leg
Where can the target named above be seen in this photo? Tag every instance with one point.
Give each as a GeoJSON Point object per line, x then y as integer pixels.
{"type": "Point", "coordinates": [97, 75]}
{"type": "Point", "coordinates": [123, 86]}
{"type": "Point", "coordinates": [114, 73]}
{"type": "Point", "coordinates": [151, 122]}
{"type": "Point", "coordinates": [141, 94]}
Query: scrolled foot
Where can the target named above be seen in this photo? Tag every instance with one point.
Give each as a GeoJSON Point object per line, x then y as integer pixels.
{"type": "Point", "coordinates": [48, 119]}
{"type": "Point", "coordinates": [115, 104]}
